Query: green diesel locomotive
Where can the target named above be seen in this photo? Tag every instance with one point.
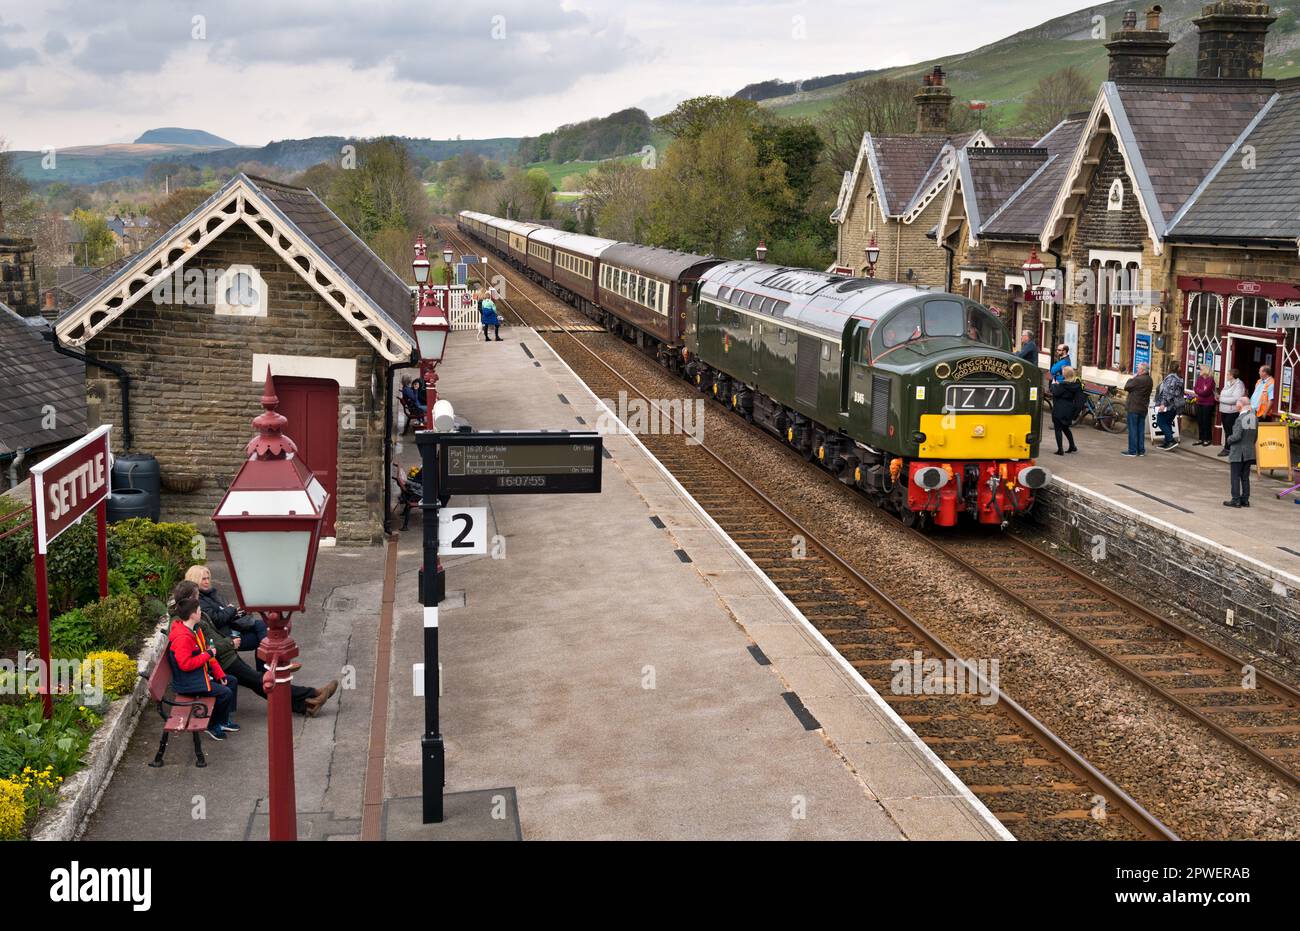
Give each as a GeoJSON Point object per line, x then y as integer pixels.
{"type": "Point", "coordinates": [913, 396]}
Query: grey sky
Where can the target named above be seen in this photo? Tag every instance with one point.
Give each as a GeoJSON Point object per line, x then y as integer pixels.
{"type": "Point", "coordinates": [82, 72]}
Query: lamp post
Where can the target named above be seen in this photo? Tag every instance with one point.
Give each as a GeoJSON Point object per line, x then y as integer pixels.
{"type": "Point", "coordinates": [1034, 270]}
{"type": "Point", "coordinates": [269, 523]}
{"type": "Point", "coordinates": [872, 252]}
{"type": "Point", "coordinates": [447, 258]}
{"type": "Point", "coordinates": [431, 329]}
{"type": "Point", "coordinates": [761, 252]}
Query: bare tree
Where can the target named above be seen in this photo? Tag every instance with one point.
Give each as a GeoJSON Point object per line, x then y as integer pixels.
{"type": "Point", "coordinates": [879, 106]}
{"type": "Point", "coordinates": [1054, 97]}
{"type": "Point", "coordinates": [13, 186]}
{"type": "Point", "coordinates": [618, 198]}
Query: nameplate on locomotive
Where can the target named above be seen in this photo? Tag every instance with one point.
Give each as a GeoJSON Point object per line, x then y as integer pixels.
{"type": "Point", "coordinates": [983, 365]}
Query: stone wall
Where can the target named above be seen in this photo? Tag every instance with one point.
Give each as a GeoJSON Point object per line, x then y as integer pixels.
{"type": "Point", "coordinates": [193, 396]}
{"type": "Point", "coordinates": [1177, 570]}
{"type": "Point", "coordinates": [903, 246]}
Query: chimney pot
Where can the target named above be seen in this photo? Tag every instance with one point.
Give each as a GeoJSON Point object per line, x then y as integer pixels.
{"type": "Point", "coordinates": [1139, 53]}
{"type": "Point", "coordinates": [1130, 21]}
{"type": "Point", "coordinates": [1153, 18]}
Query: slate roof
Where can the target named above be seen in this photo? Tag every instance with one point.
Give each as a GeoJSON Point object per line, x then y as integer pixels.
{"type": "Point", "coordinates": [1023, 214]}
{"type": "Point", "coordinates": [342, 247]}
{"type": "Point", "coordinates": [1183, 127]}
{"type": "Point", "coordinates": [33, 375]}
{"type": "Point", "coordinates": [904, 163]}
{"type": "Point", "coordinates": [990, 177]}
{"type": "Point", "coordinates": [1256, 203]}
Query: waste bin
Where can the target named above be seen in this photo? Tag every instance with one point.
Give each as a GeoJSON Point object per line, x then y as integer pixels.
{"type": "Point", "coordinates": [126, 503]}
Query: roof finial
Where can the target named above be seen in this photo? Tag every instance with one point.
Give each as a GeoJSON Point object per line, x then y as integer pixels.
{"type": "Point", "coordinates": [270, 442]}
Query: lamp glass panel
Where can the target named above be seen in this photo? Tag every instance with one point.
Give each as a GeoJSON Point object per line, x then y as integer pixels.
{"type": "Point", "coordinates": [270, 565]}
{"type": "Point", "coordinates": [421, 271]}
{"type": "Point", "coordinates": [431, 342]}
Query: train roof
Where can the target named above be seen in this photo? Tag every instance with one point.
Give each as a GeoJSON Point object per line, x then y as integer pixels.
{"type": "Point", "coordinates": [513, 226]}
{"type": "Point", "coordinates": [662, 263]}
{"type": "Point", "coordinates": [809, 298]}
{"type": "Point", "coordinates": [588, 246]}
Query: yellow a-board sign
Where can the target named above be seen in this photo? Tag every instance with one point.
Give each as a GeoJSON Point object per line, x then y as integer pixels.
{"type": "Point", "coordinates": [1272, 447]}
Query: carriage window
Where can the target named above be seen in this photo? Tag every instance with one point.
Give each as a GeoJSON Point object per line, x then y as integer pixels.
{"type": "Point", "coordinates": [901, 327]}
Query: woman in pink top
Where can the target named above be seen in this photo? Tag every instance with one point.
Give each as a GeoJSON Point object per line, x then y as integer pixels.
{"type": "Point", "coordinates": [1205, 401]}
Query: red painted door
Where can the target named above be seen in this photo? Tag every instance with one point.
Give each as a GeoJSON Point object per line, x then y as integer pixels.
{"type": "Point", "coordinates": [312, 406]}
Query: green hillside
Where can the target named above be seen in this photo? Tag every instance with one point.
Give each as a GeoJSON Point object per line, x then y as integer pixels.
{"type": "Point", "coordinates": [1003, 72]}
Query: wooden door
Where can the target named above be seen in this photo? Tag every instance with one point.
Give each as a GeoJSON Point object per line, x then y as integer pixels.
{"type": "Point", "coordinates": [312, 406]}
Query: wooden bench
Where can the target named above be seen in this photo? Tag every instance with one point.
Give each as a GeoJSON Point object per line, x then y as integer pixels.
{"type": "Point", "coordinates": [413, 415]}
{"type": "Point", "coordinates": [190, 715]}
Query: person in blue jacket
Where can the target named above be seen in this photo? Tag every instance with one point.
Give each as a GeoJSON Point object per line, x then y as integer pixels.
{"type": "Point", "coordinates": [1061, 364]}
{"type": "Point", "coordinates": [488, 314]}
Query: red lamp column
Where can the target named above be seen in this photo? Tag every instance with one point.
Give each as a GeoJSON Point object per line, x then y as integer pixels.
{"type": "Point", "coordinates": [431, 329]}
{"type": "Point", "coordinates": [269, 523]}
{"type": "Point", "coordinates": [872, 253]}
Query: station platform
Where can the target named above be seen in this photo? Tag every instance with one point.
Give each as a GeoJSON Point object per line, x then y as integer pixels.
{"type": "Point", "coordinates": [1185, 488]}
{"type": "Point", "coordinates": [599, 681]}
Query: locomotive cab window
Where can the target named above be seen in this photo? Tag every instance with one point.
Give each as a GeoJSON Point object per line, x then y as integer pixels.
{"type": "Point", "coordinates": [903, 326]}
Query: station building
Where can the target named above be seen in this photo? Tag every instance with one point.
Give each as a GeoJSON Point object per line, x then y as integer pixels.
{"type": "Point", "coordinates": [896, 190]}
{"type": "Point", "coordinates": [1168, 215]}
{"type": "Point", "coordinates": [990, 222]}
{"type": "Point", "coordinates": [260, 275]}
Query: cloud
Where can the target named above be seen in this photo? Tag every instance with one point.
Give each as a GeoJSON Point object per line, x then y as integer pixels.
{"type": "Point", "coordinates": [56, 43]}
{"type": "Point", "coordinates": [520, 47]}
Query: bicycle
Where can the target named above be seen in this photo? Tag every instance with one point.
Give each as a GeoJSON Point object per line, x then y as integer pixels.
{"type": "Point", "coordinates": [1099, 404]}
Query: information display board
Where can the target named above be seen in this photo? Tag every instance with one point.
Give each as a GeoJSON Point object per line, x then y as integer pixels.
{"type": "Point", "coordinates": [518, 463]}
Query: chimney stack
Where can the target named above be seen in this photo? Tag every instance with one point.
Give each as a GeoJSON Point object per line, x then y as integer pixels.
{"type": "Point", "coordinates": [1233, 34]}
{"type": "Point", "coordinates": [933, 101]}
{"type": "Point", "coordinates": [1139, 53]}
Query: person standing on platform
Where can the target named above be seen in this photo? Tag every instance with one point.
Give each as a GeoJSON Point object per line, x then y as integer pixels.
{"type": "Point", "coordinates": [1261, 399]}
{"type": "Point", "coordinates": [1233, 389]}
{"type": "Point", "coordinates": [488, 314]}
{"type": "Point", "coordinates": [1169, 404]}
{"type": "Point", "coordinates": [1204, 391]}
{"type": "Point", "coordinates": [1062, 361]}
{"type": "Point", "coordinates": [1138, 389]}
{"type": "Point", "coordinates": [1028, 348]}
{"type": "Point", "coordinates": [1067, 400]}
{"type": "Point", "coordinates": [1241, 453]}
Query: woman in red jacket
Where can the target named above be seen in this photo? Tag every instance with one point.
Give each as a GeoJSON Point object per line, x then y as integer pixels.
{"type": "Point", "coordinates": [1205, 389]}
{"type": "Point", "coordinates": [195, 670]}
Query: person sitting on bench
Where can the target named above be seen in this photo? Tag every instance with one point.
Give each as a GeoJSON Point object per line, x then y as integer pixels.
{"type": "Point", "coordinates": [195, 670]}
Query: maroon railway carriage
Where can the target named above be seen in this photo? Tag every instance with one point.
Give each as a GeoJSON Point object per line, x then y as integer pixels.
{"type": "Point", "coordinates": [649, 288]}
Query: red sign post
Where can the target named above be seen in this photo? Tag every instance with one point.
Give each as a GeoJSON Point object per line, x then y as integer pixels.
{"type": "Point", "coordinates": [64, 489]}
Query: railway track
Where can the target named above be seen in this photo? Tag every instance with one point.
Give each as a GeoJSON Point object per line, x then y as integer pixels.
{"type": "Point", "coordinates": [1244, 706]}
{"type": "Point", "coordinates": [1025, 774]}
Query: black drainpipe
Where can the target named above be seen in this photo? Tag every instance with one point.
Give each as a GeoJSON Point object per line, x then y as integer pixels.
{"type": "Point", "coordinates": [123, 379]}
{"type": "Point", "coordinates": [952, 254]}
{"type": "Point", "coordinates": [388, 434]}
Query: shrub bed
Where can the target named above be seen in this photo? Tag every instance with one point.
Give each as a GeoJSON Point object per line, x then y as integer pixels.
{"type": "Point", "coordinates": [104, 634]}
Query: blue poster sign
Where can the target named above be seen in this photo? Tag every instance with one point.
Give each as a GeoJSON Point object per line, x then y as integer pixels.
{"type": "Point", "coordinates": [1142, 350]}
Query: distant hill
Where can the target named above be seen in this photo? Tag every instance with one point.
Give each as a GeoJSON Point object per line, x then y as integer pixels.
{"type": "Point", "coordinates": [172, 135]}
{"type": "Point", "coordinates": [94, 164]}
{"type": "Point", "coordinates": [1003, 72]}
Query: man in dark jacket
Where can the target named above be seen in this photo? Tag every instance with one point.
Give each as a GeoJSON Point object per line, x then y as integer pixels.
{"type": "Point", "coordinates": [303, 700]}
{"type": "Point", "coordinates": [1241, 453]}
{"type": "Point", "coordinates": [1028, 348]}
{"type": "Point", "coordinates": [1139, 399]}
